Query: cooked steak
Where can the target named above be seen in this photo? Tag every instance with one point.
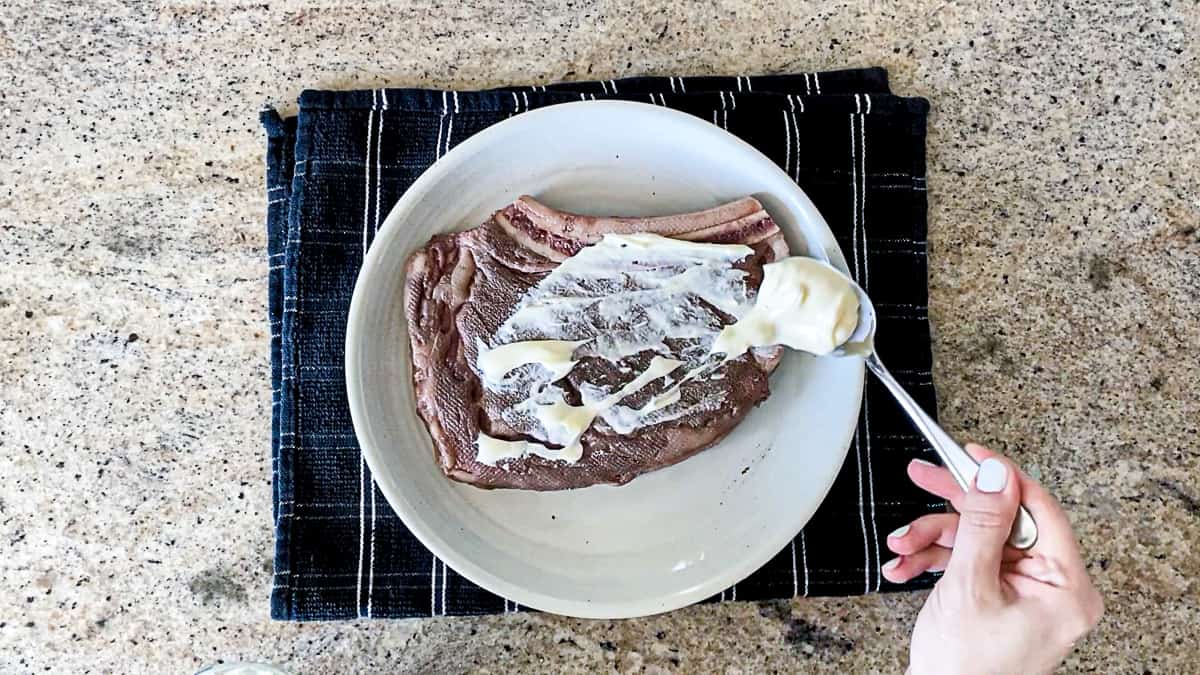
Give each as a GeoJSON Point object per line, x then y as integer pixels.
{"type": "Point", "coordinates": [506, 281]}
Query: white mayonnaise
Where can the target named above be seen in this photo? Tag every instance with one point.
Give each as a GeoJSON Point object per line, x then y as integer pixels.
{"type": "Point", "coordinates": [564, 423]}
{"type": "Point", "coordinates": [492, 450]}
{"type": "Point", "coordinates": [628, 294]}
{"type": "Point", "coordinates": [553, 355]}
{"type": "Point", "coordinates": [801, 303]}
{"type": "Point", "coordinates": [621, 296]}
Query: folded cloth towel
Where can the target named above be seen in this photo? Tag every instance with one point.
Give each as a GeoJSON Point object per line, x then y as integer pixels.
{"type": "Point", "coordinates": [335, 170]}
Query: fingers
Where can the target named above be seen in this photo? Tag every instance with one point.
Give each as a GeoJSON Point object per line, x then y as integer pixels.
{"type": "Point", "coordinates": [1056, 539]}
{"type": "Point", "coordinates": [935, 480]}
{"type": "Point", "coordinates": [926, 531]}
{"type": "Point", "coordinates": [903, 568]}
{"type": "Point", "coordinates": [986, 516]}
{"type": "Point", "coordinates": [934, 529]}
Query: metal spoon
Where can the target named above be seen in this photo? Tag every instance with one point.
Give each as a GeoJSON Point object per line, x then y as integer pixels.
{"type": "Point", "coordinates": [964, 467]}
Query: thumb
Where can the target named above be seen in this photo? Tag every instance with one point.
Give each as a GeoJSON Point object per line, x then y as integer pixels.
{"type": "Point", "coordinates": [986, 517]}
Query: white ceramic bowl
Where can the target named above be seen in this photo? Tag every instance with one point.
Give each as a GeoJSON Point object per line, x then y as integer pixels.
{"type": "Point", "coordinates": [668, 538]}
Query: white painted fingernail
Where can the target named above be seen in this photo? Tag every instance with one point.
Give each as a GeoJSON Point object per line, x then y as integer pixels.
{"type": "Point", "coordinates": [891, 564]}
{"type": "Point", "coordinates": [899, 532]}
{"type": "Point", "coordinates": [992, 476]}
{"type": "Point", "coordinates": [924, 462]}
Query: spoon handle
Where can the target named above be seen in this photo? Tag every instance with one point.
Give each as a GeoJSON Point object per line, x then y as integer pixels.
{"type": "Point", "coordinates": [962, 465]}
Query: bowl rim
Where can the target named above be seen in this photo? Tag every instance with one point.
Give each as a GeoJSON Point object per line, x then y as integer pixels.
{"type": "Point", "coordinates": [431, 538]}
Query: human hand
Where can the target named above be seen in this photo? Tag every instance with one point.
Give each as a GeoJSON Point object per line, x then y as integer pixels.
{"type": "Point", "coordinates": [996, 609]}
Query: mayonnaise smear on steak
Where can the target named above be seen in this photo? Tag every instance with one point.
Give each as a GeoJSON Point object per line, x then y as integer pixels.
{"type": "Point", "coordinates": [634, 293]}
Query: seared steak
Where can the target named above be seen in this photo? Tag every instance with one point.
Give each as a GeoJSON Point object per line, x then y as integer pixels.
{"type": "Point", "coordinates": [465, 290]}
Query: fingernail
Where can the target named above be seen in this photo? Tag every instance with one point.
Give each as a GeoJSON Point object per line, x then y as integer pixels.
{"type": "Point", "coordinates": [891, 564]}
{"type": "Point", "coordinates": [921, 461]}
{"type": "Point", "coordinates": [992, 476]}
{"type": "Point", "coordinates": [899, 532]}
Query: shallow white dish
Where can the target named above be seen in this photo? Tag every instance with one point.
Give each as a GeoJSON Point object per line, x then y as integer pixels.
{"type": "Point", "coordinates": [671, 537]}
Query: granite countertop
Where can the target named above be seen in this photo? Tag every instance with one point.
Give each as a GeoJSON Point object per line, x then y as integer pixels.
{"type": "Point", "coordinates": [135, 535]}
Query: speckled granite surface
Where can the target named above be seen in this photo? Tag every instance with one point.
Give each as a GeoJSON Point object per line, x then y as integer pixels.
{"type": "Point", "coordinates": [134, 495]}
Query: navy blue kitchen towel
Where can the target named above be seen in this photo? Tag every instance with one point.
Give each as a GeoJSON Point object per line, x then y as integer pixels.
{"type": "Point", "coordinates": [334, 171]}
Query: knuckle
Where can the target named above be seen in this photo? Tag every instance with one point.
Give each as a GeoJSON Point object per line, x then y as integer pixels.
{"type": "Point", "coordinates": [984, 516]}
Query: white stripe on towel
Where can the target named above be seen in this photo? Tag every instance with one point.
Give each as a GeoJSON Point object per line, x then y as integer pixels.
{"type": "Point", "coordinates": [866, 282]}
{"type": "Point", "coordinates": [858, 455]}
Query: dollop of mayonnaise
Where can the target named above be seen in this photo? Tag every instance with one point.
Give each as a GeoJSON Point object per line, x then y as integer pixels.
{"type": "Point", "coordinates": [553, 355]}
{"type": "Point", "coordinates": [801, 303]}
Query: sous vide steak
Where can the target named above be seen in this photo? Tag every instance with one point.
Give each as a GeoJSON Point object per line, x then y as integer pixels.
{"type": "Point", "coordinates": [473, 290]}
